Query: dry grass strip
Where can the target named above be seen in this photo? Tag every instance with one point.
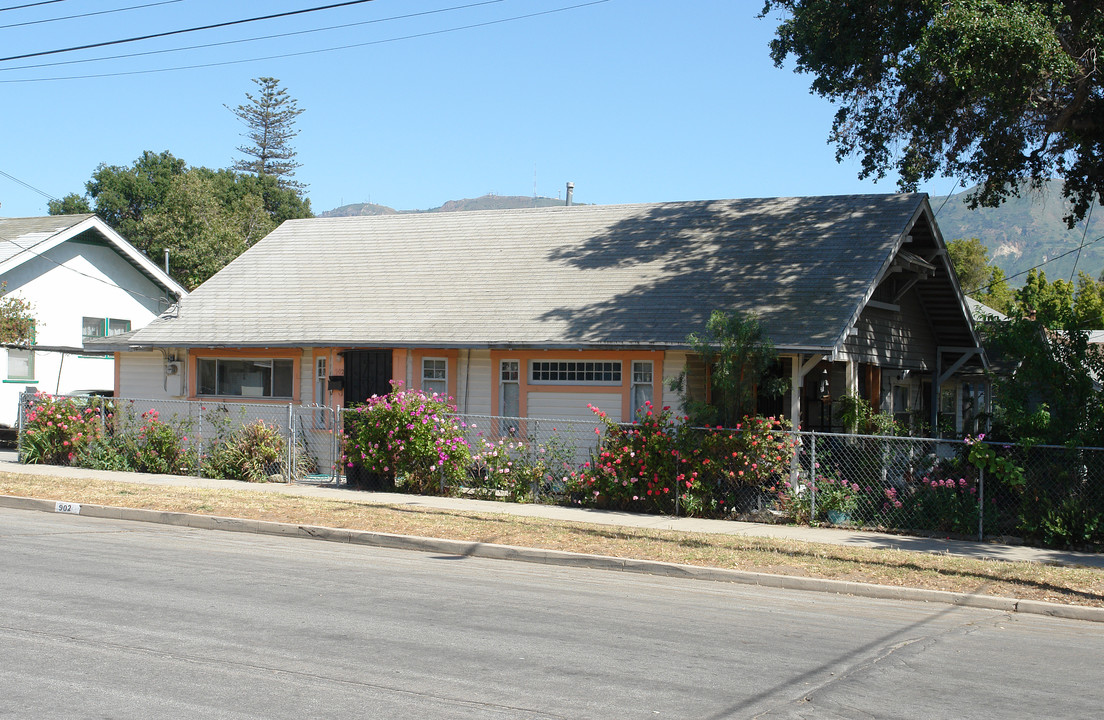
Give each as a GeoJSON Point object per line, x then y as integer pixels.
{"type": "Point", "coordinates": [1069, 585]}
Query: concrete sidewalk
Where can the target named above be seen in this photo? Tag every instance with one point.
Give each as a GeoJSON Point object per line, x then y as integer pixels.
{"type": "Point", "coordinates": [833, 536]}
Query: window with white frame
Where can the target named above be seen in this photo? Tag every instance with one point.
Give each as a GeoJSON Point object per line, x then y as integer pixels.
{"type": "Point", "coordinates": [20, 364]}
{"type": "Point", "coordinates": [320, 387]}
{"type": "Point", "coordinates": [435, 375]}
{"type": "Point", "coordinates": [642, 387]}
{"type": "Point", "coordinates": [575, 372]}
{"type": "Point", "coordinates": [253, 377]}
{"type": "Point", "coordinates": [320, 379]}
{"type": "Point", "coordinates": [509, 389]}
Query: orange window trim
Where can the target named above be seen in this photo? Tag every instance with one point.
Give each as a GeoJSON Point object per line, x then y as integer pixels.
{"type": "Point", "coordinates": [295, 355]}
{"type": "Point", "coordinates": [624, 389]}
{"type": "Point", "coordinates": [452, 356]}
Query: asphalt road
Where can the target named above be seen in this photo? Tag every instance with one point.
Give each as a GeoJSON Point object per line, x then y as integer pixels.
{"type": "Point", "coordinates": [107, 619]}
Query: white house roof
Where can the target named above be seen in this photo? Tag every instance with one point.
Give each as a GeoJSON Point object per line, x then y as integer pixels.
{"type": "Point", "coordinates": [580, 276]}
{"type": "Point", "coordinates": [22, 239]}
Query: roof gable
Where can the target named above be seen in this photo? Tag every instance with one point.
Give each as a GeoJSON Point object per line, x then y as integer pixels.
{"type": "Point", "coordinates": [580, 276]}
{"type": "Point", "coordinates": [23, 239]}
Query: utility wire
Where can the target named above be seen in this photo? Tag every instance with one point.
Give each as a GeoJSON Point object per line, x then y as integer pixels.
{"type": "Point", "coordinates": [168, 33]}
{"type": "Point", "coordinates": [89, 14]}
{"type": "Point", "coordinates": [31, 5]}
{"type": "Point", "coordinates": [311, 52]}
{"type": "Point", "coordinates": [947, 199]}
{"type": "Point", "coordinates": [252, 39]}
{"type": "Point", "coordinates": [1057, 257]}
{"type": "Point", "coordinates": [1083, 236]}
{"type": "Point", "coordinates": [129, 291]}
{"type": "Point", "coordinates": [26, 185]}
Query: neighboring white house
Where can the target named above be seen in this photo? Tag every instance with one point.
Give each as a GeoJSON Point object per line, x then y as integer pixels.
{"type": "Point", "coordinates": [83, 280]}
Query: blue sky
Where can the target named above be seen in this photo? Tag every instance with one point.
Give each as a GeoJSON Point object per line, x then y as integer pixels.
{"type": "Point", "coordinates": [632, 100]}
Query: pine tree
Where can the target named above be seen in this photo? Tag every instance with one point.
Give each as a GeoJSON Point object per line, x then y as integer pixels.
{"type": "Point", "coordinates": [270, 118]}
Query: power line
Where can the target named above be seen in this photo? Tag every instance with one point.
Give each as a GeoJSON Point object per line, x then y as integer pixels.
{"type": "Point", "coordinates": [90, 277]}
{"type": "Point", "coordinates": [252, 39]}
{"type": "Point", "coordinates": [168, 33]}
{"type": "Point", "coordinates": [1044, 262]}
{"type": "Point", "coordinates": [28, 186]}
{"type": "Point", "coordinates": [947, 199]}
{"type": "Point", "coordinates": [1083, 236]}
{"type": "Point", "coordinates": [31, 5]}
{"type": "Point", "coordinates": [310, 52]}
{"type": "Point", "coordinates": [89, 14]}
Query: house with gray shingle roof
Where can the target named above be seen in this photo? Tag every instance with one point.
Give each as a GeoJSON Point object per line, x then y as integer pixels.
{"type": "Point", "coordinates": [83, 280]}
{"type": "Point", "coordinates": [538, 312]}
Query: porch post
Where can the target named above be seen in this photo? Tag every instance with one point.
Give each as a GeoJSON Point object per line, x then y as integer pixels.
{"type": "Point", "coordinates": [795, 391]}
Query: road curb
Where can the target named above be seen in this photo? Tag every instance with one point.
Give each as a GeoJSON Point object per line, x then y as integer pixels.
{"type": "Point", "coordinates": [462, 548]}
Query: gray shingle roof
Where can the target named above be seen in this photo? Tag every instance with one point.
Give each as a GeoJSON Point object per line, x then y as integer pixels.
{"type": "Point", "coordinates": [19, 234]}
{"type": "Point", "coordinates": [581, 276]}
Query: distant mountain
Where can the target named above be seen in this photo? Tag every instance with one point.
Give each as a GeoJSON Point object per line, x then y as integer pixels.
{"type": "Point", "coordinates": [1026, 231]}
{"type": "Point", "coordinates": [486, 202]}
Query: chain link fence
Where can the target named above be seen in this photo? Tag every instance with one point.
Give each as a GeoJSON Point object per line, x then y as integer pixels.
{"type": "Point", "coordinates": [1050, 495]}
{"type": "Point", "coordinates": [236, 440]}
{"type": "Point", "coordinates": [506, 458]}
{"type": "Point", "coordinates": [1041, 494]}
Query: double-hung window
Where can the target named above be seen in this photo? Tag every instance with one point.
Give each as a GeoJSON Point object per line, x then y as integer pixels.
{"type": "Point", "coordinates": [641, 385]}
{"type": "Point", "coordinates": [435, 375]}
{"type": "Point", "coordinates": [245, 377]}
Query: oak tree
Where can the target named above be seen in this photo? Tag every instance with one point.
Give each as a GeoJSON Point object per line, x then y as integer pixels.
{"type": "Point", "coordinates": [996, 93]}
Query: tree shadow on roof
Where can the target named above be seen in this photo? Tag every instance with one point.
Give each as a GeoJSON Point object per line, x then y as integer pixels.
{"type": "Point", "coordinates": [802, 265]}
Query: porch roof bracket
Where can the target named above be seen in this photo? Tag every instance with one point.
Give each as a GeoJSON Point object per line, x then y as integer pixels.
{"type": "Point", "coordinates": [807, 367]}
{"type": "Point", "coordinates": [900, 293]}
{"type": "Point", "coordinates": [967, 353]}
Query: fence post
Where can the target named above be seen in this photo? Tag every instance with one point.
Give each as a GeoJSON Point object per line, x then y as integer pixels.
{"type": "Point", "coordinates": [291, 444]}
{"type": "Point", "coordinates": [812, 476]}
{"type": "Point", "coordinates": [338, 426]}
{"type": "Point", "coordinates": [981, 504]}
{"type": "Point", "coordinates": [19, 428]}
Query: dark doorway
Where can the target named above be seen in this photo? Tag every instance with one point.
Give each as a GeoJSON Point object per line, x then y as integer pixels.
{"type": "Point", "coordinates": [367, 373]}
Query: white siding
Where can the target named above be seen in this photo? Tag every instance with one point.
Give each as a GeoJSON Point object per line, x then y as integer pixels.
{"type": "Point", "coordinates": [306, 378]}
{"type": "Point", "coordinates": [573, 406]}
{"type": "Point", "coordinates": [142, 375]}
{"type": "Point", "coordinates": [473, 382]}
{"type": "Point", "coordinates": [674, 362]}
{"type": "Point", "coordinates": [69, 282]}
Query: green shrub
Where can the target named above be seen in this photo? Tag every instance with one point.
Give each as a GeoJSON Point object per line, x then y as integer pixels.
{"type": "Point", "coordinates": [410, 439]}
{"type": "Point", "coordinates": [516, 470]}
{"type": "Point", "coordinates": [57, 429]}
{"type": "Point", "coordinates": [252, 454]}
{"type": "Point", "coordinates": [159, 447]}
{"type": "Point", "coordinates": [103, 454]}
{"type": "Point", "coordinates": [648, 465]}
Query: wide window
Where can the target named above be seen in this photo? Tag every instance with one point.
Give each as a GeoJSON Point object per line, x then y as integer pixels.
{"type": "Point", "coordinates": [573, 372]}
{"type": "Point", "coordinates": [435, 375]}
{"type": "Point", "coordinates": [95, 327]}
{"type": "Point", "coordinates": [245, 378]}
